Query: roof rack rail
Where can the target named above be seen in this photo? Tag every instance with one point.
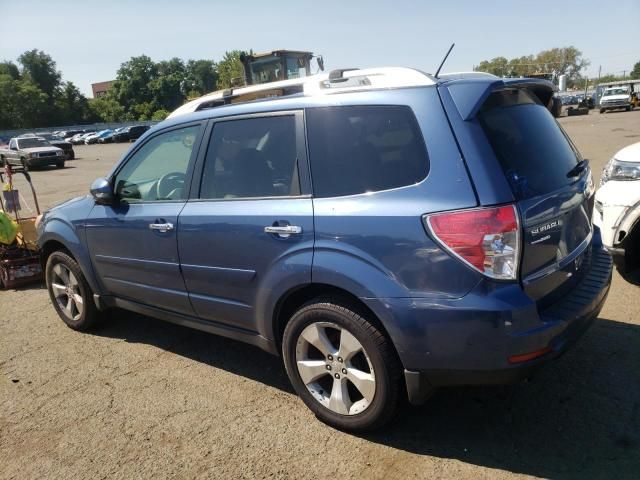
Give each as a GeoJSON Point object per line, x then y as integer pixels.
{"type": "Point", "coordinates": [338, 74]}
{"type": "Point", "coordinates": [337, 81]}
{"type": "Point", "coordinates": [350, 79]}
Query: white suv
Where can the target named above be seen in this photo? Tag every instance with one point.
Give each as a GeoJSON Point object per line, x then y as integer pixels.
{"type": "Point", "coordinates": [618, 208]}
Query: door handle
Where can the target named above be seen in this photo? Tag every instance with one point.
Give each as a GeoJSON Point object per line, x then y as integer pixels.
{"type": "Point", "coordinates": [283, 231]}
{"type": "Point", "coordinates": [161, 227]}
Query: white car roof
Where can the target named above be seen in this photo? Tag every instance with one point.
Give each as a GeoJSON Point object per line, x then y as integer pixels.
{"type": "Point", "coordinates": [368, 78]}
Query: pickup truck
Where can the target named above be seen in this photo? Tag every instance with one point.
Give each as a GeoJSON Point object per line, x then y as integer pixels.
{"type": "Point", "coordinates": [32, 152]}
{"type": "Point", "coordinates": [617, 97]}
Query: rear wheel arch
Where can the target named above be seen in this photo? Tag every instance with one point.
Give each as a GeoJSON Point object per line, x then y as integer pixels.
{"type": "Point", "coordinates": [295, 298]}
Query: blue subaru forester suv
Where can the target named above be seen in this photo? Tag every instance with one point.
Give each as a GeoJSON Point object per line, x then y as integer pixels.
{"type": "Point", "coordinates": [386, 232]}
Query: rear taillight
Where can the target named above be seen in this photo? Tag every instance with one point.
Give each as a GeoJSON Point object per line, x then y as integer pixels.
{"type": "Point", "coordinates": [487, 239]}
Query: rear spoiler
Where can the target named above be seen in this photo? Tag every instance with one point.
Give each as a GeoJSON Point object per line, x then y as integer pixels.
{"type": "Point", "coordinates": [468, 95]}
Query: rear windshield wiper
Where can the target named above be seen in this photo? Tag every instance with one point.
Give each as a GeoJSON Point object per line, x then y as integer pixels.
{"type": "Point", "coordinates": [578, 169]}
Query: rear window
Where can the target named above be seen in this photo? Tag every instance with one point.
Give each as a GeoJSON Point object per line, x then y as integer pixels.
{"type": "Point", "coordinates": [532, 149]}
{"type": "Point", "coordinates": [358, 149]}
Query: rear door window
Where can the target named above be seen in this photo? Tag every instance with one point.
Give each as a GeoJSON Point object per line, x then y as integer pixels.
{"type": "Point", "coordinates": [533, 150]}
{"type": "Point", "coordinates": [359, 149]}
{"type": "Point", "coordinates": [253, 157]}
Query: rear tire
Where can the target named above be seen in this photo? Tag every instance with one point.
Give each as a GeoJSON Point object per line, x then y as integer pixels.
{"type": "Point", "coordinates": [352, 378]}
{"type": "Point", "coordinates": [70, 293]}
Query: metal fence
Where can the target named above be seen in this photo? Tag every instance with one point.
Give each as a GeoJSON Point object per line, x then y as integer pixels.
{"type": "Point", "coordinates": [7, 134]}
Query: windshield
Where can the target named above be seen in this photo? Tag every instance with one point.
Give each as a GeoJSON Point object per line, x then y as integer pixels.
{"type": "Point", "coordinates": [32, 142]}
{"type": "Point", "coordinates": [616, 91]}
{"type": "Point", "coordinates": [266, 69]}
{"type": "Point", "coordinates": [295, 68]}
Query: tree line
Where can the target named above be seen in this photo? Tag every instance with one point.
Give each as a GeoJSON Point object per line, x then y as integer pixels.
{"type": "Point", "coordinates": [33, 93]}
{"type": "Point", "coordinates": [567, 61]}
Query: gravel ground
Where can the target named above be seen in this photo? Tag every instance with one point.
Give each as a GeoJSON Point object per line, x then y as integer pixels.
{"type": "Point", "coordinates": [140, 398]}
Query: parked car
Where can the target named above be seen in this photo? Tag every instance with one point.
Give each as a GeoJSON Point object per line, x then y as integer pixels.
{"type": "Point", "coordinates": [31, 152]}
{"type": "Point", "coordinates": [66, 134]}
{"type": "Point", "coordinates": [96, 136]}
{"type": "Point", "coordinates": [130, 133]}
{"type": "Point", "coordinates": [80, 138]}
{"type": "Point", "coordinates": [381, 231]}
{"type": "Point", "coordinates": [76, 136]}
{"type": "Point", "coordinates": [617, 208]}
{"type": "Point", "coordinates": [616, 97]}
{"type": "Point", "coordinates": [66, 147]}
{"type": "Point", "coordinates": [109, 138]}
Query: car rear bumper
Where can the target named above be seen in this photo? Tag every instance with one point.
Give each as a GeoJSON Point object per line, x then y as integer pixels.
{"type": "Point", "coordinates": [495, 334]}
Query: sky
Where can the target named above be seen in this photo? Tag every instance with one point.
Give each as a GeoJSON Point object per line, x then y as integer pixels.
{"type": "Point", "coordinates": [90, 39]}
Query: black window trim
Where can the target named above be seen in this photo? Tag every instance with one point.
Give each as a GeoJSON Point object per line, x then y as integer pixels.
{"type": "Point", "coordinates": [190, 168]}
{"type": "Point", "coordinates": [304, 175]}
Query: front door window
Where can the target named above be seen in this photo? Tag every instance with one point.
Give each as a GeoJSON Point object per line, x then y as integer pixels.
{"type": "Point", "coordinates": [157, 171]}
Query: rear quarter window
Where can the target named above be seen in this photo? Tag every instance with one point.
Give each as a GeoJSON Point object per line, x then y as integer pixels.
{"type": "Point", "coordinates": [533, 150]}
{"type": "Point", "coordinates": [359, 149]}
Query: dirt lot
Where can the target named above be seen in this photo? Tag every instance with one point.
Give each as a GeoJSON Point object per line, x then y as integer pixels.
{"type": "Point", "coordinates": [142, 399]}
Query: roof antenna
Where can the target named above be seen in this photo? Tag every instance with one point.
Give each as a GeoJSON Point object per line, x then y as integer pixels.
{"type": "Point", "coordinates": [444, 59]}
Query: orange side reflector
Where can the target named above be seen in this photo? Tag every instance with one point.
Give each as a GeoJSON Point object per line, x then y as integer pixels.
{"type": "Point", "coordinates": [525, 357]}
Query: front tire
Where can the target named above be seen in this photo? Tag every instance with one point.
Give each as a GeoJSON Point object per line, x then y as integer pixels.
{"type": "Point", "coordinates": [70, 293]}
{"type": "Point", "coordinates": [60, 164]}
{"type": "Point", "coordinates": [602, 110]}
{"type": "Point", "coordinates": [342, 366]}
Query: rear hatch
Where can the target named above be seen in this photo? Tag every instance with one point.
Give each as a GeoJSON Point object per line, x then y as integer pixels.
{"type": "Point", "coordinates": [548, 180]}
{"type": "Point", "coordinates": [552, 186]}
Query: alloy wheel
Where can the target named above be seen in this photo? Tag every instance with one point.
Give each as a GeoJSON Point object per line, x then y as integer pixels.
{"type": "Point", "coordinates": [335, 368]}
{"type": "Point", "coordinates": [66, 291]}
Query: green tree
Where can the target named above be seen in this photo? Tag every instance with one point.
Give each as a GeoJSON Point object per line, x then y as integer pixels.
{"type": "Point", "coordinates": [144, 110]}
{"type": "Point", "coordinates": [635, 73]}
{"type": "Point", "coordinates": [497, 66]}
{"type": "Point", "coordinates": [558, 61]}
{"type": "Point", "coordinates": [201, 77]}
{"type": "Point", "coordinates": [168, 87]}
{"type": "Point", "coordinates": [230, 69]}
{"type": "Point", "coordinates": [9, 113]}
{"type": "Point", "coordinates": [41, 70]}
{"type": "Point", "coordinates": [107, 109]}
{"type": "Point", "coordinates": [71, 105]}
{"type": "Point", "coordinates": [9, 68]}
{"type": "Point", "coordinates": [159, 115]}
{"type": "Point", "coordinates": [132, 82]}
{"type": "Point", "coordinates": [22, 103]}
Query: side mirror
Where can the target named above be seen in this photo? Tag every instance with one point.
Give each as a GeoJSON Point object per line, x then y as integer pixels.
{"type": "Point", "coordinates": [102, 192]}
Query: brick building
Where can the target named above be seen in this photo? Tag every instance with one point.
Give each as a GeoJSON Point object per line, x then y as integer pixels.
{"type": "Point", "coordinates": [100, 89]}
